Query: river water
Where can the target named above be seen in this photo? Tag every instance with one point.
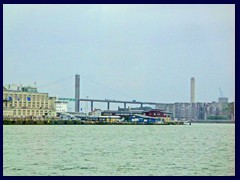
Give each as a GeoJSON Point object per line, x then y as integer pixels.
{"type": "Point", "coordinates": [125, 150]}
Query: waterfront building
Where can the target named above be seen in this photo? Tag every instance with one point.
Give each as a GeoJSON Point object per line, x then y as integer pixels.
{"type": "Point", "coordinates": [95, 112]}
{"type": "Point", "coordinates": [158, 113]}
{"type": "Point", "coordinates": [61, 106]}
{"type": "Point", "coordinates": [26, 102]}
{"type": "Point", "coordinates": [203, 110]}
{"type": "Point", "coordinates": [110, 119]}
{"type": "Point", "coordinates": [121, 113]}
{"type": "Point", "coordinates": [182, 110]}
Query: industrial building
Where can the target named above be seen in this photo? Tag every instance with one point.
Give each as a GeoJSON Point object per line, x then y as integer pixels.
{"type": "Point", "coordinates": [223, 100]}
{"type": "Point", "coordinates": [23, 102]}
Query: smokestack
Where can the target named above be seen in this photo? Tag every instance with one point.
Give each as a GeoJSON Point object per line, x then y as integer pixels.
{"type": "Point", "coordinates": [192, 90]}
{"type": "Point", "coordinates": [77, 92]}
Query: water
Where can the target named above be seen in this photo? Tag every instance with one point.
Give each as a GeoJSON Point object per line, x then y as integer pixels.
{"type": "Point", "coordinates": [96, 150]}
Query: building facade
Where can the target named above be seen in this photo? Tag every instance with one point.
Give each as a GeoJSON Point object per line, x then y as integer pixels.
{"type": "Point", "coordinates": [61, 106]}
{"type": "Point", "coordinates": [95, 113]}
{"type": "Point", "coordinates": [204, 111]}
{"type": "Point", "coordinates": [27, 102]}
{"type": "Point", "coordinates": [223, 100]}
{"type": "Point", "coordinates": [158, 113]}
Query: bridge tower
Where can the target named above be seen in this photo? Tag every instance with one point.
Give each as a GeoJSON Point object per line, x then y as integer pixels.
{"type": "Point", "coordinates": [77, 92]}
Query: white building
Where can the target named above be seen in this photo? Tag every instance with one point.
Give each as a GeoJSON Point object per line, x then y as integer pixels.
{"type": "Point", "coordinates": [61, 106]}
{"type": "Point", "coordinates": [95, 113]}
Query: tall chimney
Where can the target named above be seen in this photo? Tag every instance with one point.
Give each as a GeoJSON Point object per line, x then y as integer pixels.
{"type": "Point", "coordinates": [192, 90]}
{"type": "Point", "coordinates": [77, 92]}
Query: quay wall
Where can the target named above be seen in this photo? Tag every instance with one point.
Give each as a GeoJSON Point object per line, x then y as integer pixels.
{"type": "Point", "coordinates": [214, 121]}
{"type": "Point", "coordinates": [77, 122]}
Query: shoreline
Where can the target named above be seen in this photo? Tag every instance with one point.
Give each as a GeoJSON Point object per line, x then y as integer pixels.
{"type": "Point", "coordinates": [214, 121]}
{"type": "Point", "coordinates": [78, 122]}
{"type": "Point", "coordinates": [89, 122]}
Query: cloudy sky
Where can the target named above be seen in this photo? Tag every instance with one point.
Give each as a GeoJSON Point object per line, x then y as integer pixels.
{"type": "Point", "coordinates": [123, 52]}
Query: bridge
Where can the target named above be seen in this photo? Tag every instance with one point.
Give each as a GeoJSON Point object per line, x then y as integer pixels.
{"type": "Point", "coordinates": [108, 101]}
{"type": "Point", "coordinates": [77, 99]}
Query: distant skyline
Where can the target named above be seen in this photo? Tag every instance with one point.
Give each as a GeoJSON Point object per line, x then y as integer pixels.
{"type": "Point", "coordinates": [125, 52]}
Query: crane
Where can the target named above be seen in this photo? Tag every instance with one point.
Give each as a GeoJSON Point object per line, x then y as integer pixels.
{"type": "Point", "coordinates": [221, 92]}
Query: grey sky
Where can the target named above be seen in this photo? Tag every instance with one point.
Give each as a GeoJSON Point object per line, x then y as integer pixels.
{"type": "Point", "coordinates": [145, 52]}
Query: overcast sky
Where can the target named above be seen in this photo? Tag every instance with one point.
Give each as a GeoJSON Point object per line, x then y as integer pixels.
{"type": "Point", "coordinates": [123, 52]}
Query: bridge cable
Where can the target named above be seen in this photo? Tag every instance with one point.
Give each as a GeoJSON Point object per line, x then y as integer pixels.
{"type": "Point", "coordinates": [56, 82]}
{"type": "Point", "coordinates": [123, 94]}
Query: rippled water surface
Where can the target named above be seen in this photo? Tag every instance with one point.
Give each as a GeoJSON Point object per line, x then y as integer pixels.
{"type": "Point", "coordinates": [95, 150]}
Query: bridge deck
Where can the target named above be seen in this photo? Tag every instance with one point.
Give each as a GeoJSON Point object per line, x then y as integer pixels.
{"type": "Point", "coordinates": [113, 101]}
